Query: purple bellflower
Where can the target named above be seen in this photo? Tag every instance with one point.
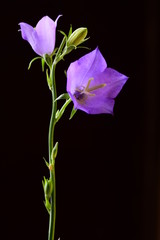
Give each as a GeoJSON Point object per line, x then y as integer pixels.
{"type": "Point", "coordinates": [92, 86]}
{"type": "Point", "coordinates": [42, 37]}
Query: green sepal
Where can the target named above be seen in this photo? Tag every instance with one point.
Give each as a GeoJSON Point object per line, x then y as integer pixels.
{"type": "Point", "coordinates": [54, 152]}
{"type": "Point", "coordinates": [63, 33]}
{"type": "Point", "coordinates": [48, 80]}
{"type": "Point", "coordinates": [60, 112]}
{"type": "Point", "coordinates": [63, 96]}
{"type": "Point", "coordinates": [73, 112]}
{"type": "Point", "coordinates": [70, 31]}
{"type": "Point", "coordinates": [65, 73]}
{"type": "Point", "coordinates": [47, 205]}
{"type": "Point", "coordinates": [47, 164]}
{"type": "Point", "coordinates": [70, 48]}
{"type": "Point", "coordinates": [48, 60]}
{"type": "Point", "coordinates": [34, 59]}
{"type": "Point", "coordinates": [47, 187]}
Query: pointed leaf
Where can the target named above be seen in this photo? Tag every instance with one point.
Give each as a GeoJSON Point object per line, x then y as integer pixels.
{"type": "Point", "coordinates": [64, 96]}
{"type": "Point", "coordinates": [63, 33]}
{"type": "Point", "coordinates": [65, 73]}
{"type": "Point", "coordinates": [48, 80]}
{"type": "Point", "coordinates": [34, 59]}
{"type": "Point", "coordinates": [47, 164]}
{"type": "Point", "coordinates": [72, 113]}
{"type": "Point", "coordinates": [70, 31]}
{"type": "Point", "coordinates": [54, 152]}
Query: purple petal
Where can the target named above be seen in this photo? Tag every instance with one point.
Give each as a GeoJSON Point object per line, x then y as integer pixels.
{"type": "Point", "coordinates": [92, 86]}
{"type": "Point", "coordinates": [96, 105]}
{"type": "Point", "coordinates": [41, 38]}
{"type": "Point", "coordinates": [28, 34]}
{"type": "Point", "coordinates": [86, 67]}
{"type": "Point", "coordinates": [46, 30]}
{"type": "Point", "coordinates": [114, 82]}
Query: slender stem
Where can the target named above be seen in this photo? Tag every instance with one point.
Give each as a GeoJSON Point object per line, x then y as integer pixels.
{"type": "Point", "coordinates": [52, 219]}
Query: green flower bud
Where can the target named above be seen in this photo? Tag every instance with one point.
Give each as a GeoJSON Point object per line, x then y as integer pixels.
{"type": "Point", "coordinates": [48, 188]}
{"type": "Point", "coordinates": [77, 37]}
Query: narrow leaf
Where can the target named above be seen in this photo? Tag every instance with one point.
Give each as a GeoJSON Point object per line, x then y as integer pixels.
{"type": "Point", "coordinates": [48, 80]}
{"type": "Point", "coordinates": [72, 113]}
{"type": "Point", "coordinates": [64, 96]}
{"type": "Point", "coordinates": [34, 59]}
{"type": "Point", "coordinates": [70, 31]}
{"type": "Point", "coordinates": [47, 164]}
{"type": "Point", "coordinates": [63, 33]}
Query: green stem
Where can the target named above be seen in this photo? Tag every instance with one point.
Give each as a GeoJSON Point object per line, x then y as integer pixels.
{"type": "Point", "coordinates": [52, 219]}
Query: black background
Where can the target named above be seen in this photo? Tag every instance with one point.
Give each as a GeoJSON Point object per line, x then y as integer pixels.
{"type": "Point", "coordinates": [107, 168]}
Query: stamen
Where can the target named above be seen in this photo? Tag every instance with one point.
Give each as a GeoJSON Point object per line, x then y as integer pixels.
{"type": "Point", "coordinates": [87, 87]}
{"type": "Point", "coordinates": [96, 87]}
{"type": "Point", "coordinates": [81, 94]}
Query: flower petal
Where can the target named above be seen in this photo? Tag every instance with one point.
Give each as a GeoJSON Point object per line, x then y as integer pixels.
{"type": "Point", "coordinates": [28, 34]}
{"type": "Point", "coordinates": [41, 38]}
{"type": "Point", "coordinates": [86, 67]}
{"type": "Point", "coordinates": [92, 86]}
{"type": "Point", "coordinates": [46, 30]}
{"type": "Point", "coordinates": [114, 82]}
{"type": "Point", "coordinates": [95, 104]}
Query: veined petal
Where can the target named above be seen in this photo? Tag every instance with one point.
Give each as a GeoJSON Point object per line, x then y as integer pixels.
{"type": "Point", "coordinates": [42, 37]}
{"type": "Point", "coordinates": [28, 34]}
{"type": "Point", "coordinates": [114, 82]}
{"type": "Point", "coordinates": [92, 86]}
{"type": "Point", "coordinates": [86, 67]}
{"type": "Point", "coordinates": [95, 104]}
{"type": "Point", "coordinates": [46, 30]}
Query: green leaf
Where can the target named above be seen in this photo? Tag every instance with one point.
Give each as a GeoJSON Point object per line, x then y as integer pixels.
{"type": "Point", "coordinates": [63, 33]}
{"type": "Point", "coordinates": [34, 59]}
{"type": "Point", "coordinates": [70, 31]}
{"type": "Point", "coordinates": [72, 113]}
{"type": "Point", "coordinates": [47, 205]}
{"type": "Point", "coordinates": [63, 96]}
{"type": "Point", "coordinates": [60, 112]}
{"type": "Point", "coordinates": [47, 164]}
{"type": "Point", "coordinates": [48, 80]}
{"type": "Point", "coordinates": [65, 73]}
{"type": "Point", "coordinates": [54, 152]}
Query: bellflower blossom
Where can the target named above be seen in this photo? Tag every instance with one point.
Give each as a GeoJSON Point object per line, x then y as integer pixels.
{"type": "Point", "coordinates": [42, 37]}
{"type": "Point", "coordinates": [92, 86]}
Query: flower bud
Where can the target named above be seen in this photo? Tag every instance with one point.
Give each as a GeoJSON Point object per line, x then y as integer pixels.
{"type": "Point", "coordinates": [47, 187]}
{"type": "Point", "coordinates": [77, 37]}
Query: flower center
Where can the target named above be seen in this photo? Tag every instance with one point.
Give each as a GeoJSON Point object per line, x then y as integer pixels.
{"type": "Point", "coordinates": [84, 92]}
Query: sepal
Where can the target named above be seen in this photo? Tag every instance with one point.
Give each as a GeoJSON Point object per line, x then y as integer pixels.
{"type": "Point", "coordinates": [63, 96]}
{"type": "Point", "coordinates": [48, 80]}
{"type": "Point", "coordinates": [60, 112]}
{"type": "Point", "coordinates": [54, 152]}
{"type": "Point", "coordinates": [73, 112]}
{"type": "Point", "coordinates": [34, 59]}
{"type": "Point", "coordinates": [48, 188]}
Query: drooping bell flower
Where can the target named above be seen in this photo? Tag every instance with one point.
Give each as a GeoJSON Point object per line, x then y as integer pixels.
{"type": "Point", "coordinates": [42, 37]}
{"type": "Point", "coordinates": [92, 86]}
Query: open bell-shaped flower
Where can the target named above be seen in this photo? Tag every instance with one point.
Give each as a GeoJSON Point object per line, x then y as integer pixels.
{"type": "Point", "coordinates": [41, 38]}
{"type": "Point", "coordinates": [92, 86]}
